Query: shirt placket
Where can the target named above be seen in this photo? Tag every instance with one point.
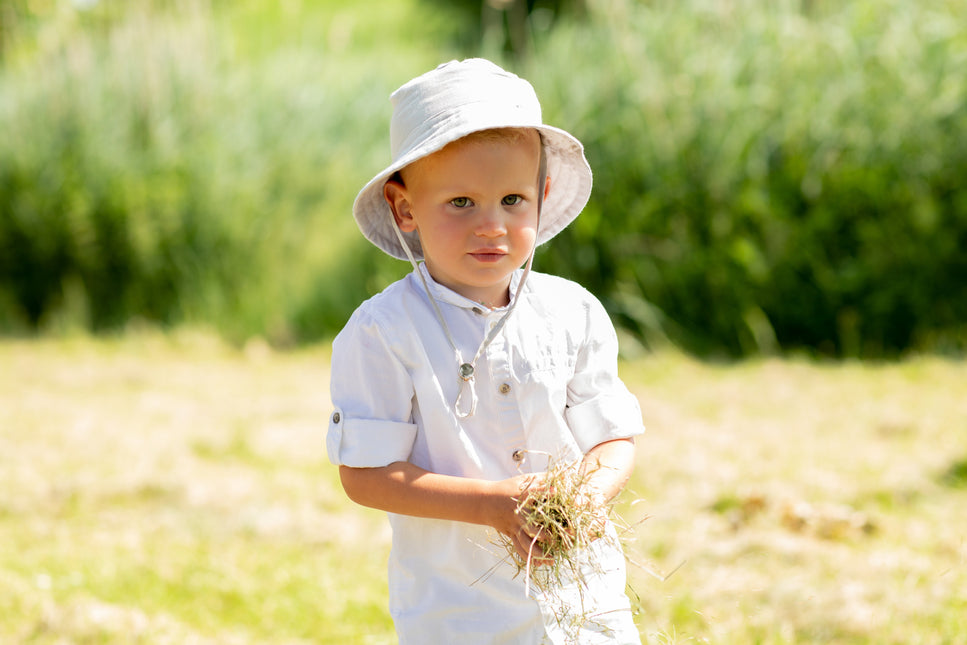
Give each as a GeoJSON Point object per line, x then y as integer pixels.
{"type": "Point", "coordinates": [510, 435]}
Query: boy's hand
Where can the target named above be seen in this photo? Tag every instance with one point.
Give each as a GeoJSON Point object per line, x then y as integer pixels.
{"type": "Point", "coordinates": [505, 518]}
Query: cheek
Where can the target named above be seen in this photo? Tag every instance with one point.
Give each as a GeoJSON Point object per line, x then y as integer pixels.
{"type": "Point", "coordinates": [528, 229]}
{"type": "Point", "coordinates": [524, 239]}
{"type": "Point", "coordinates": [444, 233]}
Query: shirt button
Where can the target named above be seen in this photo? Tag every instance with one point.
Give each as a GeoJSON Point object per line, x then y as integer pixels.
{"type": "Point", "coordinates": [335, 417]}
{"type": "Point", "coordinates": [518, 455]}
{"type": "Point", "coordinates": [478, 311]}
{"type": "Point", "coordinates": [504, 388]}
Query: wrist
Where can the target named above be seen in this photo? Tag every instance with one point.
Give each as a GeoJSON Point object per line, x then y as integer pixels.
{"type": "Point", "coordinates": [498, 503]}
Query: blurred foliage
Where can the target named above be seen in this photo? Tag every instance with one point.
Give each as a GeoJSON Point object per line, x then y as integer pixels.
{"type": "Point", "coordinates": [173, 164]}
{"type": "Point", "coordinates": [768, 176]}
{"type": "Point", "coordinates": [503, 27]}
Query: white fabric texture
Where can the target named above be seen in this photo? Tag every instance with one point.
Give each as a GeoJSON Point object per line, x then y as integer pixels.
{"type": "Point", "coordinates": [548, 383]}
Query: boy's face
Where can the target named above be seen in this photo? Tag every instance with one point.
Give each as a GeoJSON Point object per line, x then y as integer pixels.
{"type": "Point", "coordinates": [474, 206]}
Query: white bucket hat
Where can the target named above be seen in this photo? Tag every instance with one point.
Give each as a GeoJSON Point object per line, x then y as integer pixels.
{"type": "Point", "coordinates": [450, 102]}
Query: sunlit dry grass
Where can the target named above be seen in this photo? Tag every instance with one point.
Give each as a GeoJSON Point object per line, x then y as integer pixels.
{"type": "Point", "coordinates": [172, 490]}
{"type": "Point", "coordinates": [810, 503]}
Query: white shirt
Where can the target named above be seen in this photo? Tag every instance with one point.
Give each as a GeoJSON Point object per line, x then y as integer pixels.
{"type": "Point", "coordinates": [548, 383]}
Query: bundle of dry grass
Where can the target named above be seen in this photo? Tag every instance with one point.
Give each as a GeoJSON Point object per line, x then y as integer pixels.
{"type": "Point", "coordinates": [575, 536]}
{"type": "Point", "coordinates": [565, 517]}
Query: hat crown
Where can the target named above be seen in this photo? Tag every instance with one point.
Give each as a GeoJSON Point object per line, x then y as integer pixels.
{"type": "Point", "coordinates": [458, 98]}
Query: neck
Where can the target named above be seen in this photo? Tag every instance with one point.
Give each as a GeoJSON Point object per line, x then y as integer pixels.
{"type": "Point", "coordinates": [501, 299]}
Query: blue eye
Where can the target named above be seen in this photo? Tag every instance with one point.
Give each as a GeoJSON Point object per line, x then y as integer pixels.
{"type": "Point", "coordinates": [512, 200]}
{"type": "Point", "coordinates": [460, 202]}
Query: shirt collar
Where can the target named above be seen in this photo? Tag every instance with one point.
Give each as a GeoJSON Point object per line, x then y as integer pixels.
{"type": "Point", "coordinates": [451, 297]}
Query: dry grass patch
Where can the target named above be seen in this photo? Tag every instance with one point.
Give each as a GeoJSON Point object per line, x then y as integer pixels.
{"type": "Point", "coordinates": [171, 489]}
{"type": "Point", "coordinates": [810, 502]}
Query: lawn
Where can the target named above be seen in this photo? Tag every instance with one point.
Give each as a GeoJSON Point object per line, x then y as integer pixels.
{"type": "Point", "coordinates": [170, 489]}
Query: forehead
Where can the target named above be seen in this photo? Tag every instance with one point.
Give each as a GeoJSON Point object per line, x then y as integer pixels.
{"type": "Point", "coordinates": [524, 142]}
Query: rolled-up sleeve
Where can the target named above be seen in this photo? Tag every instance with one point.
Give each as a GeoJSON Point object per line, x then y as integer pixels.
{"type": "Point", "coordinates": [600, 407]}
{"type": "Point", "coordinates": [372, 396]}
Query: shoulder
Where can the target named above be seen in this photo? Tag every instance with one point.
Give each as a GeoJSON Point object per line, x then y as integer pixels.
{"type": "Point", "coordinates": [565, 306]}
{"type": "Point", "coordinates": [379, 315]}
{"type": "Point", "coordinates": [548, 285]}
{"type": "Point", "coordinates": [553, 293]}
{"type": "Point", "coordinates": [388, 300]}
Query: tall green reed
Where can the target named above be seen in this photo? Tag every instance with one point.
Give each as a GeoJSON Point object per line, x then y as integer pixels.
{"type": "Point", "coordinates": [770, 173]}
{"type": "Point", "coordinates": [160, 168]}
{"type": "Point", "coordinates": [766, 174]}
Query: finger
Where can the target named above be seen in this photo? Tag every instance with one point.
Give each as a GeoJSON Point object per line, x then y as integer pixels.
{"type": "Point", "coordinates": [520, 546]}
{"type": "Point", "coordinates": [530, 549]}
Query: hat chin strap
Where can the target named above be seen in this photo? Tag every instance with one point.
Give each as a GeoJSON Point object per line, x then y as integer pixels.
{"type": "Point", "coordinates": [465, 370]}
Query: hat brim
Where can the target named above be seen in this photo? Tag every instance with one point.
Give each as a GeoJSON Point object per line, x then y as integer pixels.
{"type": "Point", "coordinates": [570, 190]}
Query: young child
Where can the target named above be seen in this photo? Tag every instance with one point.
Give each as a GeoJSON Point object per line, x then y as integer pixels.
{"type": "Point", "coordinates": [453, 385]}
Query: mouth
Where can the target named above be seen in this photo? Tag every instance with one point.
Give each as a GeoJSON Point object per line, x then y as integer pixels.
{"type": "Point", "coordinates": [488, 255]}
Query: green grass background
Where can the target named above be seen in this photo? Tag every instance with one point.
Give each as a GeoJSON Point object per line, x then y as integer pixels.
{"type": "Point", "coordinates": [769, 176]}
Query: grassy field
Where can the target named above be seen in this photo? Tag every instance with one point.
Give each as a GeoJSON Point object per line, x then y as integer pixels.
{"type": "Point", "coordinates": [168, 489]}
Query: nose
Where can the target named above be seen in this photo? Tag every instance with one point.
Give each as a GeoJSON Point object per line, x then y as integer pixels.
{"type": "Point", "coordinates": [491, 223]}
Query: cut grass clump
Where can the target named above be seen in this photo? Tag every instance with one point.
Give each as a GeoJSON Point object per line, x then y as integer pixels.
{"type": "Point", "coordinates": [565, 516]}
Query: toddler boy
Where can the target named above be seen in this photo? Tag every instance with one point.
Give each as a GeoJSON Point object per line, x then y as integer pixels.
{"type": "Point", "coordinates": [453, 385]}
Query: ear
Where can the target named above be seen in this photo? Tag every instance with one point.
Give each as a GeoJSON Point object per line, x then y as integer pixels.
{"type": "Point", "coordinates": [547, 187]}
{"type": "Point", "coordinates": [398, 199]}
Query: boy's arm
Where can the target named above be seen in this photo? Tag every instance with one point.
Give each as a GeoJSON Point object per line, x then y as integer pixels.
{"type": "Point", "coordinates": [406, 489]}
{"type": "Point", "coordinates": [608, 466]}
